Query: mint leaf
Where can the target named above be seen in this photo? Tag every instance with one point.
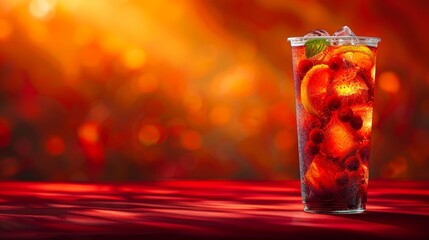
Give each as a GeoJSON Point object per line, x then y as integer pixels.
{"type": "Point", "coordinates": [315, 46]}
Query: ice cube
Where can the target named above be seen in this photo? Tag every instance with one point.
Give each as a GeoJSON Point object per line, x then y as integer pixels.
{"type": "Point", "coordinates": [321, 173]}
{"type": "Point", "coordinates": [344, 32]}
{"type": "Point", "coordinates": [339, 139]}
{"type": "Point", "coordinates": [364, 110]}
{"type": "Point", "coordinates": [317, 32]}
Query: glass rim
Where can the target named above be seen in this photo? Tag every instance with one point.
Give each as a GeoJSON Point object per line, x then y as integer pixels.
{"type": "Point", "coordinates": [370, 41]}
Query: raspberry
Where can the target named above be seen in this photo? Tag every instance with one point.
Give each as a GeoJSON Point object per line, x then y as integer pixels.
{"type": "Point", "coordinates": [345, 114]}
{"type": "Point", "coordinates": [312, 148]}
{"type": "Point", "coordinates": [364, 151]}
{"type": "Point", "coordinates": [333, 102]}
{"type": "Point", "coordinates": [352, 163]}
{"type": "Point", "coordinates": [335, 63]}
{"type": "Point", "coordinates": [312, 122]}
{"type": "Point", "coordinates": [316, 135]}
{"type": "Point", "coordinates": [356, 122]}
{"type": "Point", "coordinates": [341, 178]}
{"type": "Point", "coordinates": [303, 67]}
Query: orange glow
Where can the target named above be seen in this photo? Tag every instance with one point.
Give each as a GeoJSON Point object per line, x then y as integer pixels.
{"type": "Point", "coordinates": [149, 135]}
{"type": "Point", "coordinates": [192, 101]}
{"type": "Point", "coordinates": [205, 84]}
{"type": "Point", "coordinates": [5, 29]}
{"type": "Point", "coordinates": [389, 82]}
{"type": "Point", "coordinates": [237, 82]}
{"type": "Point", "coordinates": [220, 115]}
{"type": "Point", "coordinates": [42, 9]}
{"type": "Point", "coordinates": [91, 57]}
{"type": "Point", "coordinates": [396, 168]}
{"type": "Point", "coordinates": [191, 140]}
{"type": "Point", "coordinates": [284, 140]}
{"type": "Point", "coordinates": [134, 58]}
{"type": "Point", "coordinates": [55, 146]}
{"type": "Point", "coordinates": [147, 83]}
{"type": "Point", "coordinates": [252, 119]}
{"type": "Point", "coordinates": [89, 132]}
{"type": "Point", "coordinates": [82, 35]}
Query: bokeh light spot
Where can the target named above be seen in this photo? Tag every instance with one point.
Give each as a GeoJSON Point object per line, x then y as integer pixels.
{"type": "Point", "coordinates": [192, 101]}
{"type": "Point", "coordinates": [55, 145]}
{"type": "Point", "coordinates": [149, 135]}
{"type": "Point", "coordinates": [191, 140]}
{"type": "Point", "coordinates": [5, 29]}
{"type": "Point", "coordinates": [220, 115]}
{"type": "Point", "coordinates": [88, 132]}
{"type": "Point", "coordinates": [134, 58]}
{"type": "Point", "coordinates": [42, 9]}
{"type": "Point", "coordinates": [389, 82]}
{"type": "Point", "coordinates": [237, 82]}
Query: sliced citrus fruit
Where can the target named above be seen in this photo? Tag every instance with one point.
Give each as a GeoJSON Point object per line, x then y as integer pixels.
{"type": "Point", "coordinates": [359, 55]}
{"type": "Point", "coordinates": [314, 88]}
{"type": "Point", "coordinates": [360, 49]}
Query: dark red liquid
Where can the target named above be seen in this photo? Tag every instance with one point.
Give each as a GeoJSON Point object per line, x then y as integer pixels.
{"type": "Point", "coordinates": [334, 105]}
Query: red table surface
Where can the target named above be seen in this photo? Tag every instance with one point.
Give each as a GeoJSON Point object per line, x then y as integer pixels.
{"type": "Point", "coordinates": [204, 210]}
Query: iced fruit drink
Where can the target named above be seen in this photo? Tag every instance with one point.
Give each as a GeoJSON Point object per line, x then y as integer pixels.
{"type": "Point", "coordinates": [334, 89]}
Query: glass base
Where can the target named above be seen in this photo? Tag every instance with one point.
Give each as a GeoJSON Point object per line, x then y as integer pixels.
{"type": "Point", "coordinates": [333, 209]}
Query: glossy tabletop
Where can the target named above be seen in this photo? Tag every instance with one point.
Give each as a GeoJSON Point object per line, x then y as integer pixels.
{"type": "Point", "coordinates": [204, 210]}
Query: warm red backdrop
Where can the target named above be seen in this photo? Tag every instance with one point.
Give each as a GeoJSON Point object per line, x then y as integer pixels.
{"type": "Point", "coordinates": [137, 90]}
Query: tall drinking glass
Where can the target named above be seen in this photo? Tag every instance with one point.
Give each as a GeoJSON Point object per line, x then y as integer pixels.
{"type": "Point", "coordinates": [334, 88]}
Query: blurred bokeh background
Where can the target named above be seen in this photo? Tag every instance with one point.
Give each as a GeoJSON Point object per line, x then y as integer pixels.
{"type": "Point", "coordinates": [122, 90]}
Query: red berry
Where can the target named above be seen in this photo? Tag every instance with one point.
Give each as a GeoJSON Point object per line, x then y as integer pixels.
{"type": "Point", "coordinates": [345, 114]}
{"type": "Point", "coordinates": [333, 102]}
{"type": "Point", "coordinates": [312, 122]}
{"type": "Point", "coordinates": [312, 148]}
{"type": "Point", "coordinates": [341, 178]}
{"type": "Point", "coordinates": [364, 151]}
{"type": "Point", "coordinates": [335, 63]}
{"type": "Point", "coordinates": [356, 122]}
{"type": "Point", "coordinates": [303, 67]}
{"type": "Point", "coordinates": [316, 135]}
{"type": "Point", "coordinates": [352, 163]}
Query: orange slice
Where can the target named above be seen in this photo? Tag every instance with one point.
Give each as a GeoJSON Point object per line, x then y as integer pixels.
{"type": "Point", "coordinates": [314, 88]}
{"type": "Point", "coordinates": [359, 55]}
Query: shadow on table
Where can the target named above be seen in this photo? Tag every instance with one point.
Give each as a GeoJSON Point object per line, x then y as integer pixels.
{"type": "Point", "coordinates": [414, 225]}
